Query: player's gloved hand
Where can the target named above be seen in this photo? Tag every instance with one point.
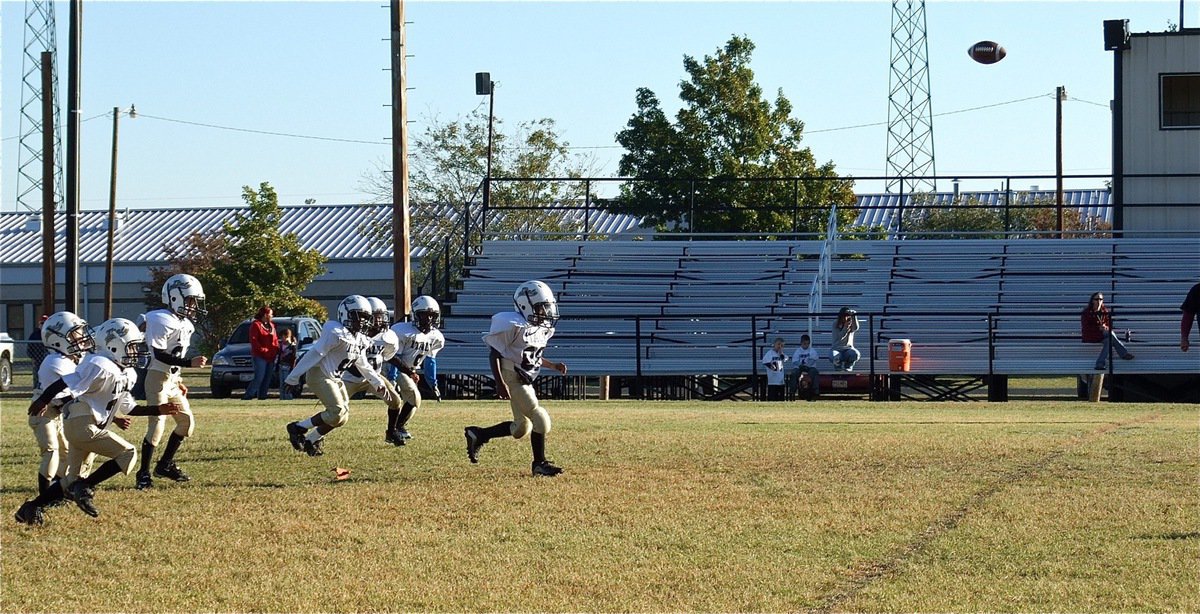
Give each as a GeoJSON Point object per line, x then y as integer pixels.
{"type": "Point", "coordinates": [123, 421]}
{"type": "Point", "coordinates": [36, 409]}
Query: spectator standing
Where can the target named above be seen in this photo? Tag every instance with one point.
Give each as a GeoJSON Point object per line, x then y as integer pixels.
{"type": "Point", "coordinates": [36, 350]}
{"type": "Point", "coordinates": [286, 360]}
{"type": "Point", "coordinates": [807, 376]}
{"type": "Point", "coordinates": [775, 359]}
{"type": "Point", "coordinates": [842, 351]}
{"type": "Point", "coordinates": [1095, 323]}
{"type": "Point", "coordinates": [1191, 312]}
{"type": "Point", "coordinates": [264, 347]}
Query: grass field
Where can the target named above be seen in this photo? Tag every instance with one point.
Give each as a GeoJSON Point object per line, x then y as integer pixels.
{"type": "Point", "coordinates": [827, 506]}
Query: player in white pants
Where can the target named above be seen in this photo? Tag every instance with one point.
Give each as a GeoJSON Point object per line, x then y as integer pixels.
{"type": "Point", "coordinates": [68, 337]}
{"type": "Point", "coordinates": [381, 349]}
{"type": "Point", "coordinates": [169, 333]}
{"type": "Point", "coordinates": [99, 393]}
{"type": "Point", "coordinates": [340, 346]}
{"type": "Point", "coordinates": [517, 340]}
{"type": "Point", "coordinates": [419, 342]}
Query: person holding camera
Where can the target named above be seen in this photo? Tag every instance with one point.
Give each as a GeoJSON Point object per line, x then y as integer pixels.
{"type": "Point", "coordinates": [1095, 323]}
{"type": "Point", "coordinates": [842, 351]}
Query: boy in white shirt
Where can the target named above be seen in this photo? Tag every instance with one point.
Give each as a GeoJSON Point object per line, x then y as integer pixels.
{"type": "Point", "coordinates": [775, 359]}
{"type": "Point", "coordinates": [67, 338]}
{"type": "Point", "coordinates": [419, 342]}
{"type": "Point", "coordinates": [806, 376]}
{"type": "Point", "coordinates": [517, 340]}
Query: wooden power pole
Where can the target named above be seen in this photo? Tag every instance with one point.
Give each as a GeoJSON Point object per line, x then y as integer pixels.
{"type": "Point", "coordinates": [400, 220]}
{"type": "Point", "coordinates": [48, 200]}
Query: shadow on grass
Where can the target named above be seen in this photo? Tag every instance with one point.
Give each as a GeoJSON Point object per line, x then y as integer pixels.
{"type": "Point", "coordinates": [1173, 535]}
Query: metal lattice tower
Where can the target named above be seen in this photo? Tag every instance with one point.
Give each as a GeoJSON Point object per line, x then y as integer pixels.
{"type": "Point", "coordinates": [910, 161]}
{"type": "Point", "coordinates": [39, 37]}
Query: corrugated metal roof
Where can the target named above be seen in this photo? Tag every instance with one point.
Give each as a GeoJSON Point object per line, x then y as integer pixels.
{"type": "Point", "coordinates": [333, 230]}
{"type": "Point", "coordinates": [880, 209]}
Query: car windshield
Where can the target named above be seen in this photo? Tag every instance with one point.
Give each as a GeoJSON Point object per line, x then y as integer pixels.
{"type": "Point", "coordinates": [241, 334]}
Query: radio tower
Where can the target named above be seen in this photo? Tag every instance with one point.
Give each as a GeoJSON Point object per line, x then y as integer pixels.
{"type": "Point", "coordinates": [910, 166]}
{"type": "Point", "coordinates": [39, 37]}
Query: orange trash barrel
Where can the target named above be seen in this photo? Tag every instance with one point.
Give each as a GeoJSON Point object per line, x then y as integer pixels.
{"type": "Point", "coordinates": [899, 354]}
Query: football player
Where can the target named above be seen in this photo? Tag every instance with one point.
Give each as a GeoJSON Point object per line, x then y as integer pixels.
{"type": "Point", "coordinates": [97, 394]}
{"type": "Point", "coordinates": [169, 333]}
{"type": "Point", "coordinates": [419, 342]}
{"type": "Point", "coordinates": [382, 349]}
{"type": "Point", "coordinates": [341, 345]}
{"type": "Point", "coordinates": [67, 337]}
{"type": "Point", "coordinates": [517, 340]}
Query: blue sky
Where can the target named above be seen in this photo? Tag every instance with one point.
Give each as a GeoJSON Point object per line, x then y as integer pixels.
{"type": "Point", "coordinates": [317, 69]}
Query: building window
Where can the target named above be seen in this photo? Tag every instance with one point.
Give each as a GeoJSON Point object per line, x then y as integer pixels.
{"type": "Point", "coordinates": [1180, 102]}
{"type": "Point", "coordinates": [16, 320]}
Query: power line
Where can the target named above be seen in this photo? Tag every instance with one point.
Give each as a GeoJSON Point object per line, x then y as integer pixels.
{"type": "Point", "coordinates": [266, 132]}
{"type": "Point", "coordinates": [986, 106]}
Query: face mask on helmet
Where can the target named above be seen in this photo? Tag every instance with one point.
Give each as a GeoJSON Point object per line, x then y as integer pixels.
{"type": "Point", "coordinates": [137, 355]}
{"type": "Point", "coordinates": [120, 340]}
{"type": "Point", "coordinates": [68, 334]}
{"type": "Point", "coordinates": [381, 318]}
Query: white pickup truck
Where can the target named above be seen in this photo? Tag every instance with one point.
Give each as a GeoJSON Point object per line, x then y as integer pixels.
{"type": "Point", "coordinates": [6, 362]}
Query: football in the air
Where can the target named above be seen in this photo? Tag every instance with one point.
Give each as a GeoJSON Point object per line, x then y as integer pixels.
{"type": "Point", "coordinates": [986, 52]}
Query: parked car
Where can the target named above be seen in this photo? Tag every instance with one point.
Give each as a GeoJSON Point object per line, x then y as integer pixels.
{"type": "Point", "coordinates": [6, 362]}
{"type": "Point", "coordinates": [232, 366]}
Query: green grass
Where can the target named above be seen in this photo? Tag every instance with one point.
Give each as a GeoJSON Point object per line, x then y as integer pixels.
{"type": "Point", "coordinates": [827, 506]}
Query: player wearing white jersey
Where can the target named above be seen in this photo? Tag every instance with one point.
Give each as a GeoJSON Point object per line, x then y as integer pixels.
{"type": "Point", "coordinates": [99, 395]}
{"type": "Point", "coordinates": [382, 349]}
{"type": "Point", "coordinates": [419, 342]}
{"type": "Point", "coordinates": [517, 341]}
{"type": "Point", "coordinates": [169, 333]}
{"type": "Point", "coordinates": [341, 346]}
{"type": "Point", "coordinates": [68, 337]}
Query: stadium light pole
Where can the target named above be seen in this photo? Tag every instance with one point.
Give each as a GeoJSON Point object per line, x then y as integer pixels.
{"type": "Point", "coordinates": [484, 86]}
{"type": "Point", "coordinates": [112, 211]}
{"type": "Point", "coordinates": [1059, 96]}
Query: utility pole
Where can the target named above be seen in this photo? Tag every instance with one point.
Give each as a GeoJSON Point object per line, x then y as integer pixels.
{"type": "Point", "coordinates": [401, 274]}
{"type": "Point", "coordinates": [1059, 96]}
{"type": "Point", "coordinates": [112, 214]}
{"type": "Point", "coordinates": [48, 196]}
{"type": "Point", "coordinates": [71, 276]}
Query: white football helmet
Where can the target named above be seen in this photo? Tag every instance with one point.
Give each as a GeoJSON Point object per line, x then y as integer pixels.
{"type": "Point", "coordinates": [382, 318]}
{"type": "Point", "coordinates": [354, 312]}
{"type": "Point", "coordinates": [184, 295]}
{"type": "Point", "coordinates": [120, 340]}
{"type": "Point", "coordinates": [535, 301]}
{"type": "Point", "coordinates": [68, 333]}
{"type": "Point", "coordinates": [427, 315]}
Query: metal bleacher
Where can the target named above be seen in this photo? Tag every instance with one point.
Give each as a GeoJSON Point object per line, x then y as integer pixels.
{"type": "Point", "coordinates": [969, 306]}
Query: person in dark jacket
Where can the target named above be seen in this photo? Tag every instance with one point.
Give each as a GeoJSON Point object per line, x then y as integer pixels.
{"type": "Point", "coordinates": [1095, 323]}
{"type": "Point", "coordinates": [264, 347]}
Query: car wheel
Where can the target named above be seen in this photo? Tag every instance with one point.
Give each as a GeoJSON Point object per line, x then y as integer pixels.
{"type": "Point", "coordinates": [220, 391]}
{"type": "Point", "coordinates": [5, 374]}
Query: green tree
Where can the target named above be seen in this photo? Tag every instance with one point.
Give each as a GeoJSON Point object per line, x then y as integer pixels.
{"type": "Point", "coordinates": [721, 160]}
{"type": "Point", "coordinates": [250, 264]}
{"type": "Point", "coordinates": [448, 165]}
{"type": "Point", "coordinates": [970, 219]}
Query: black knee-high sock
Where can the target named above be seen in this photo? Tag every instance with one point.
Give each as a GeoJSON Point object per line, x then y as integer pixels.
{"type": "Point", "coordinates": [173, 442]}
{"type": "Point", "coordinates": [393, 415]}
{"type": "Point", "coordinates": [504, 429]}
{"type": "Point", "coordinates": [538, 442]}
{"type": "Point", "coordinates": [103, 472]}
{"type": "Point", "coordinates": [43, 483]}
{"type": "Point", "coordinates": [147, 456]}
{"type": "Point", "coordinates": [405, 413]}
{"type": "Point", "coordinates": [54, 492]}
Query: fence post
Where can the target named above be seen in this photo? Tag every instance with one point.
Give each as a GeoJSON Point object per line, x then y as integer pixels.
{"type": "Point", "coordinates": [754, 357]}
{"type": "Point", "coordinates": [587, 209]}
{"type": "Point", "coordinates": [637, 343]}
{"type": "Point", "coordinates": [446, 255]}
{"type": "Point", "coordinates": [691, 205]}
{"type": "Point", "coordinates": [795, 205]}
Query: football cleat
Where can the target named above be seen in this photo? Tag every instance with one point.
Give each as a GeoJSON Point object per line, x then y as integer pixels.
{"type": "Point", "coordinates": [83, 498]}
{"type": "Point", "coordinates": [403, 434]}
{"type": "Point", "coordinates": [296, 435]}
{"type": "Point", "coordinates": [30, 514]}
{"type": "Point", "coordinates": [546, 468]}
{"type": "Point", "coordinates": [473, 443]}
{"type": "Point", "coordinates": [171, 471]}
{"type": "Point", "coordinates": [144, 481]}
{"type": "Point", "coordinates": [394, 438]}
{"type": "Point", "coordinates": [313, 448]}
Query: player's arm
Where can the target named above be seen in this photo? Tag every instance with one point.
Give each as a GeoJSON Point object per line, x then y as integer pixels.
{"type": "Point", "coordinates": [399, 364]}
{"type": "Point", "coordinates": [39, 404]}
{"type": "Point", "coordinates": [494, 361]}
{"type": "Point", "coordinates": [561, 367]}
{"type": "Point", "coordinates": [311, 357]}
{"type": "Point", "coordinates": [429, 367]}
